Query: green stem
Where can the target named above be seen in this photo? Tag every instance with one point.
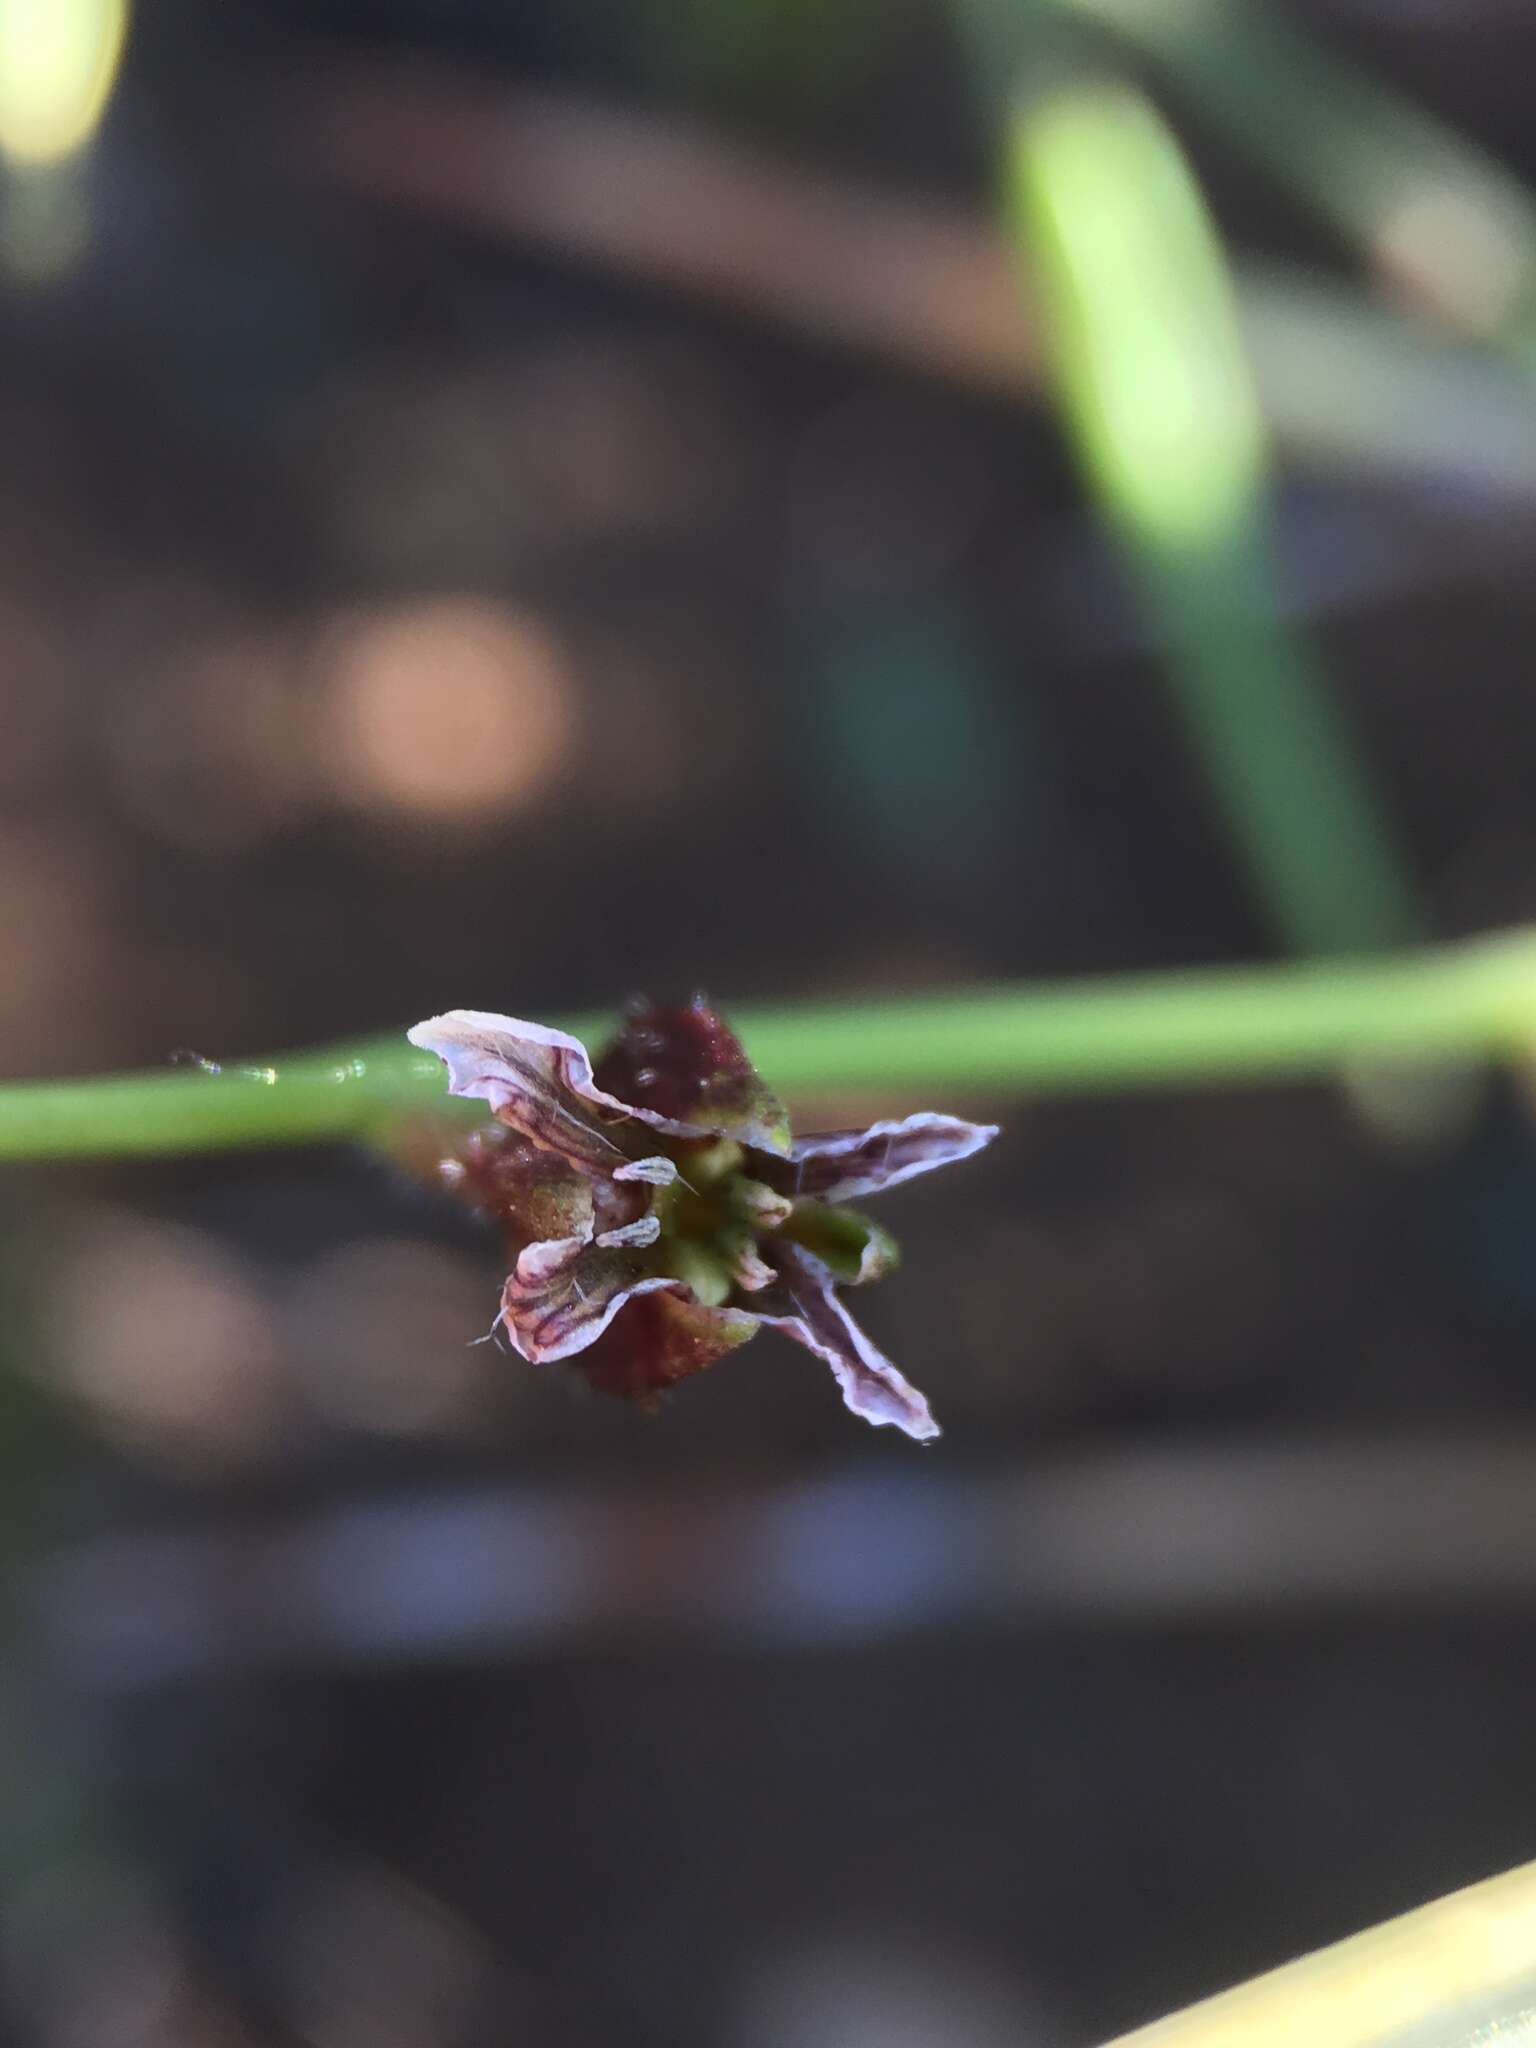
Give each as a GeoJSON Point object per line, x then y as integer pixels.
{"type": "Point", "coordinates": [1193, 1027]}
{"type": "Point", "coordinates": [1187, 1028]}
{"type": "Point", "coordinates": [341, 1092]}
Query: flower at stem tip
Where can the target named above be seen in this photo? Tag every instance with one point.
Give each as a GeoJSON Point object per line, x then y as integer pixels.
{"type": "Point", "coordinates": [659, 1212]}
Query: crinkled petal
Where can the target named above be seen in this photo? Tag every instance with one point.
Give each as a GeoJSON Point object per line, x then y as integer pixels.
{"type": "Point", "coordinates": [842, 1166]}
{"type": "Point", "coordinates": [540, 1082]}
{"type": "Point", "coordinates": [662, 1337]}
{"type": "Point", "coordinates": [871, 1385]}
{"type": "Point", "coordinates": [688, 1066]}
{"type": "Point", "coordinates": [562, 1295]}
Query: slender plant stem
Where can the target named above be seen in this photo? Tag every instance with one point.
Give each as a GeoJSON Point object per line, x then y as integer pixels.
{"type": "Point", "coordinates": [1191, 1028]}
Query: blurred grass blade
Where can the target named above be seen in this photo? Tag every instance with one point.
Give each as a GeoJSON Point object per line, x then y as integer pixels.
{"type": "Point", "coordinates": [1460, 1973]}
{"type": "Point", "coordinates": [1140, 314]}
{"type": "Point", "coordinates": [1278, 753]}
{"type": "Point", "coordinates": [1156, 388]}
{"type": "Point", "coordinates": [1349, 387]}
{"type": "Point", "coordinates": [922, 284]}
{"type": "Point", "coordinates": [1444, 223]}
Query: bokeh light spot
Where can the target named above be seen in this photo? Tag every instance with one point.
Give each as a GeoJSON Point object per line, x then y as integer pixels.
{"type": "Point", "coordinates": [58, 60]}
{"type": "Point", "coordinates": [381, 1334]}
{"type": "Point", "coordinates": [448, 710]}
{"type": "Point", "coordinates": [164, 1336]}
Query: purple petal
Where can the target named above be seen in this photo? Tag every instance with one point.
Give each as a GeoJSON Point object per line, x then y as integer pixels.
{"type": "Point", "coordinates": [540, 1082]}
{"type": "Point", "coordinates": [562, 1295]}
{"type": "Point", "coordinates": [871, 1385]}
{"type": "Point", "coordinates": [842, 1166]}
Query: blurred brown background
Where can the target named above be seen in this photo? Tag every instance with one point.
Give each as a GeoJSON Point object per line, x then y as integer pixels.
{"type": "Point", "coordinates": [506, 506]}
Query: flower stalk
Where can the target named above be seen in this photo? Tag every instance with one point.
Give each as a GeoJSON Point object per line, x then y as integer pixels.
{"type": "Point", "coordinates": [1203, 1027]}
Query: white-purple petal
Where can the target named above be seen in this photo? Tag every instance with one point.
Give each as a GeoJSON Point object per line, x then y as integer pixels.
{"type": "Point", "coordinates": [562, 1294]}
{"type": "Point", "coordinates": [842, 1166]}
{"type": "Point", "coordinates": [643, 1231]}
{"type": "Point", "coordinates": [871, 1385]}
{"type": "Point", "coordinates": [660, 1172]}
{"type": "Point", "coordinates": [540, 1082]}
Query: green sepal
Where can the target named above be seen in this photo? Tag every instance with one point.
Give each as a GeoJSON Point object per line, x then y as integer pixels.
{"type": "Point", "coordinates": [853, 1248]}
